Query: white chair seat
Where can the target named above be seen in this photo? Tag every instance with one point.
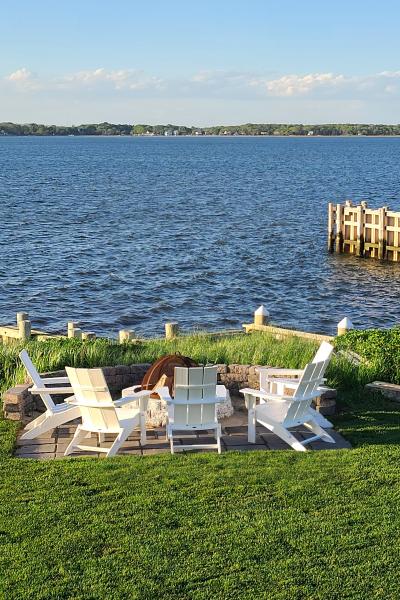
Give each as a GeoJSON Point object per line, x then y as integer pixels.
{"type": "Point", "coordinates": [274, 410]}
{"type": "Point", "coordinates": [127, 413]}
{"type": "Point", "coordinates": [64, 406]}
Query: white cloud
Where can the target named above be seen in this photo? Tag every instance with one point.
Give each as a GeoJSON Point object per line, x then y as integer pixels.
{"type": "Point", "coordinates": [292, 85]}
{"type": "Point", "coordinates": [212, 83]}
{"type": "Point", "coordinates": [23, 80]}
{"type": "Point", "coordinates": [119, 79]}
{"type": "Point", "coordinates": [20, 75]}
{"type": "Point", "coordinates": [266, 97]}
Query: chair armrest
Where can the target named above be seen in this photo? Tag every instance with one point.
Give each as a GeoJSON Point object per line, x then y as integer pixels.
{"type": "Point", "coordinates": [284, 372]}
{"type": "Point", "coordinates": [193, 402]}
{"type": "Point", "coordinates": [48, 390]}
{"type": "Point", "coordinates": [163, 393]}
{"type": "Point", "coordinates": [254, 394]}
{"type": "Point", "coordinates": [135, 388]}
{"type": "Point", "coordinates": [289, 383]}
{"type": "Point", "coordinates": [50, 380]}
{"type": "Point", "coordinates": [90, 403]}
{"type": "Point", "coordinates": [134, 397]}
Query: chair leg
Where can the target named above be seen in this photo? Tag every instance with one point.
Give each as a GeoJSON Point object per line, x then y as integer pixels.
{"type": "Point", "coordinates": [317, 429]}
{"type": "Point", "coordinates": [35, 423]}
{"type": "Point", "coordinates": [46, 422]}
{"type": "Point", "coordinates": [171, 441]}
{"type": "Point", "coordinates": [119, 440]}
{"type": "Point", "coordinates": [102, 438]}
{"type": "Point", "coordinates": [38, 426]}
{"type": "Point", "coordinates": [218, 436]}
{"type": "Point", "coordinates": [79, 436]}
{"type": "Point", "coordinates": [143, 439]}
{"type": "Point", "coordinates": [288, 437]}
{"type": "Point", "coordinates": [284, 434]}
{"type": "Point", "coordinates": [251, 427]}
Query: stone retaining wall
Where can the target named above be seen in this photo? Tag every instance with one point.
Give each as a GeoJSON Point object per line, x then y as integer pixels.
{"type": "Point", "coordinates": [19, 404]}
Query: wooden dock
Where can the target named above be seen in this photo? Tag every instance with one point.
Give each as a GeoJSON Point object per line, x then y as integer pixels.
{"type": "Point", "coordinates": [363, 231]}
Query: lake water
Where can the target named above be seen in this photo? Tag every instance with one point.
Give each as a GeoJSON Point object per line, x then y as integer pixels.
{"type": "Point", "coordinates": [133, 232]}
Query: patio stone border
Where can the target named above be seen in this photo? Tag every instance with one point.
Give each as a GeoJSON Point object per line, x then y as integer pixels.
{"type": "Point", "coordinates": [234, 437]}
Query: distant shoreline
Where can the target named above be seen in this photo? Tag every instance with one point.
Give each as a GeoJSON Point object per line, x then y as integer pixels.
{"type": "Point", "coordinates": [206, 135]}
{"type": "Point", "coordinates": [171, 130]}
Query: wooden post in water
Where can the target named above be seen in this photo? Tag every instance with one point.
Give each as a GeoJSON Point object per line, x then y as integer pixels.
{"type": "Point", "coordinates": [331, 229]}
{"type": "Point", "coordinates": [339, 226]}
{"type": "Point", "coordinates": [360, 231]}
{"type": "Point", "coordinates": [382, 233]}
{"type": "Point", "coordinates": [171, 330]}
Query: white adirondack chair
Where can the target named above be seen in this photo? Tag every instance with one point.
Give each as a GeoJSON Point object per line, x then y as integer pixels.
{"type": "Point", "coordinates": [101, 415]}
{"type": "Point", "coordinates": [194, 406]}
{"type": "Point", "coordinates": [279, 412]}
{"type": "Point", "coordinates": [56, 414]}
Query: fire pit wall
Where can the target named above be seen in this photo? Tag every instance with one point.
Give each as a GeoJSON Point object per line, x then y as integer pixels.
{"type": "Point", "coordinates": [20, 405]}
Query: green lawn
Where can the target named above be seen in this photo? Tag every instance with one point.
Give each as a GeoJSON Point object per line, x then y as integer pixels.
{"type": "Point", "coordinates": [279, 525]}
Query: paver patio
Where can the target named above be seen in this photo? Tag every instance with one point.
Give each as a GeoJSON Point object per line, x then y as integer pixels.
{"type": "Point", "coordinates": [234, 437]}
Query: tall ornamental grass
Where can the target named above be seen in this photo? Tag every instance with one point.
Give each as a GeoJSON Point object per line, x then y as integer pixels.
{"type": "Point", "coordinates": [55, 354]}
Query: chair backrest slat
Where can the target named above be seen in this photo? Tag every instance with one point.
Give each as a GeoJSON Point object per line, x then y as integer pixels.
{"type": "Point", "coordinates": [192, 386]}
{"type": "Point", "coordinates": [324, 352]}
{"type": "Point", "coordinates": [37, 380]}
{"type": "Point", "coordinates": [90, 386]}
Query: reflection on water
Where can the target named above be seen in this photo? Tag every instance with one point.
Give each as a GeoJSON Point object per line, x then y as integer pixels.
{"type": "Point", "coordinates": [121, 232]}
{"type": "Point", "coordinates": [370, 288]}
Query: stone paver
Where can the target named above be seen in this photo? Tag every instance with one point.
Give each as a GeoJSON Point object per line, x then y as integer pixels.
{"type": "Point", "coordinates": [249, 448]}
{"type": "Point", "coordinates": [234, 437]}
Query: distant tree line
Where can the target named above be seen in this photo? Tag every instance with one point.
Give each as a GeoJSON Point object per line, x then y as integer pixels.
{"type": "Point", "coordinates": [330, 129]}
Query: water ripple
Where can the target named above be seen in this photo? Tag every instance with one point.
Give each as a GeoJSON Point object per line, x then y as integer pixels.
{"type": "Point", "coordinates": [121, 232]}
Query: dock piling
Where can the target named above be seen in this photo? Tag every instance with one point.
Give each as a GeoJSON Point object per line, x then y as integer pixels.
{"type": "Point", "coordinates": [72, 326]}
{"type": "Point", "coordinates": [171, 330]}
{"type": "Point", "coordinates": [363, 231]}
{"type": "Point", "coordinates": [24, 329]}
{"type": "Point", "coordinates": [344, 326]}
{"type": "Point", "coordinates": [88, 335]}
{"type": "Point", "coordinates": [261, 316]}
{"type": "Point", "coordinates": [126, 335]}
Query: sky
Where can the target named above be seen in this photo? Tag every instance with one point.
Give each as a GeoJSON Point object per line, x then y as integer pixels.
{"type": "Point", "coordinates": [200, 62]}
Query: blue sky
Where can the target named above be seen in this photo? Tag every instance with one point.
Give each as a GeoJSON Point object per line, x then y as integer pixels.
{"type": "Point", "coordinates": [199, 62]}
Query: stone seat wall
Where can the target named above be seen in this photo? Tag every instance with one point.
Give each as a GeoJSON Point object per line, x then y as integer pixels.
{"type": "Point", "coordinates": [19, 404]}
